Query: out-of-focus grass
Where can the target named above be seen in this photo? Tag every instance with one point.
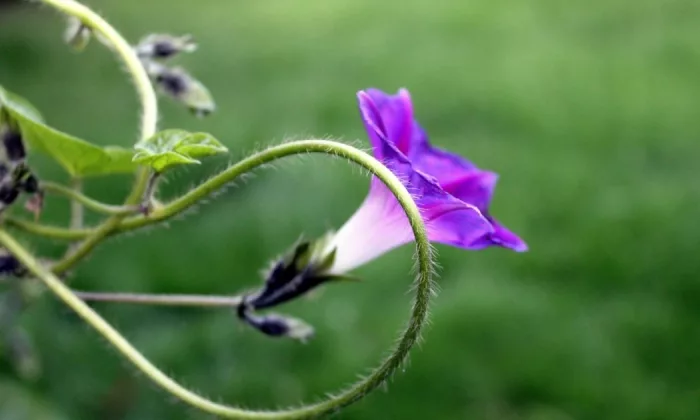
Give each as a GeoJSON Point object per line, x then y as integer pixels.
{"type": "Point", "coordinates": [587, 109]}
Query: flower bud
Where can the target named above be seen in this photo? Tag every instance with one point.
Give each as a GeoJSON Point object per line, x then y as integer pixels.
{"type": "Point", "coordinates": [274, 325]}
{"type": "Point", "coordinates": [9, 265]}
{"type": "Point", "coordinates": [163, 46]}
{"type": "Point", "coordinates": [13, 145]}
{"type": "Point", "coordinates": [77, 34]}
{"type": "Point", "coordinates": [294, 275]}
{"type": "Point", "coordinates": [180, 85]}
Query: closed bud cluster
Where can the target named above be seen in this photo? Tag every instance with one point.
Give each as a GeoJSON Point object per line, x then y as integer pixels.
{"type": "Point", "coordinates": [174, 82]}
{"type": "Point", "coordinates": [10, 266]}
{"type": "Point", "coordinates": [294, 275]}
{"type": "Point", "coordinates": [15, 175]}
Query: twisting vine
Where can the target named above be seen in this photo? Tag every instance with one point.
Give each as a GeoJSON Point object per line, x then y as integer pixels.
{"type": "Point", "coordinates": [390, 216]}
{"type": "Point", "coordinates": [119, 221]}
{"type": "Point", "coordinates": [334, 403]}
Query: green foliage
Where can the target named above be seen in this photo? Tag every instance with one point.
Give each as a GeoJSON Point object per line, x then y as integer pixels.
{"type": "Point", "coordinates": [78, 157]}
{"type": "Point", "coordinates": [176, 147]}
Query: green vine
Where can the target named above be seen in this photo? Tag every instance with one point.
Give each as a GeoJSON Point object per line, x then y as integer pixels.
{"type": "Point", "coordinates": [409, 336]}
{"type": "Point", "coordinates": [127, 218]}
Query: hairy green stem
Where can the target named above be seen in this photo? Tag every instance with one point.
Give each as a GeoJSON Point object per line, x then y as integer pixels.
{"type": "Point", "coordinates": [149, 119]}
{"type": "Point", "coordinates": [77, 197]}
{"type": "Point", "coordinates": [161, 300]}
{"type": "Point", "coordinates": [332, 403]}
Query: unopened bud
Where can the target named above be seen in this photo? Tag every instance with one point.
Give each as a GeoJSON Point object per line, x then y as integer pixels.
{"type": "Point", "coordinates": [294, 275]}
{"type": "Point", "coordinates": [274, 325]}
{"type": "Point", "coordinates": [13, 145]}
{"type": "Point", "coordinates": [9, 265]}
{"type": "Point", "coordinates": [77, 34]}
{"type": "Point", "coordinates": [180, 85]}
{"type": "Point", "coordinates": [163, 46]}
{"type": "Point", "coordinates": [8, 195]}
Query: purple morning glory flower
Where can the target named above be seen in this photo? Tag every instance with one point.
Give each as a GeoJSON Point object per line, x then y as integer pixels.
{"type": "Point", "coordinates": [451, 192]}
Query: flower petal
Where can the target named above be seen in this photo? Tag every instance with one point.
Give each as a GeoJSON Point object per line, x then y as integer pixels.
{"type": "Point", "coordinates": [502, 237]}
{"type": "Point", "coordinates": [474, 187]}
{"type": "Point", "coordinates": [392, 114]}
{"type": "Point", "coordinates": [380, 224]}
{"type": "Point", "coordinates": [443, 165]}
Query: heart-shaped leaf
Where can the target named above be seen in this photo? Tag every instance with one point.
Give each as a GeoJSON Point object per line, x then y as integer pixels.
{"type": "Point", "coordinates": [78, 157]}
{"type": "Point", "coordinates": [176, 147]}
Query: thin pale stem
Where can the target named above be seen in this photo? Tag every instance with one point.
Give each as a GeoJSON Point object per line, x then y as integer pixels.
{"type": "Point", "coordinates": [161, 300]}
{"type": "Point", "coordinates": [78, 198]}
{"type": "Point", "coordinates": [333, 403]}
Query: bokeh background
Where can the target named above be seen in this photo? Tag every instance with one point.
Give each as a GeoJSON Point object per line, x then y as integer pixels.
{"type": "Point", "coordinates": [589, 110]}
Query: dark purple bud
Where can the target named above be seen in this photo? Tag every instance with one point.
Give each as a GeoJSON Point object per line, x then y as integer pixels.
{"type": "Point", "coordinates": [173, 83]}
{"type": "Point", "coordinates": [30, 184]}
{"type": "Point", "coordinates": [161, 46]}
{"type": "Point", "coordinates": [8, 195]}
{"type": "Point", "coordinates": [274, 325]}
{"type": "Point", "coordinates": [13, 144]}
{"type": "Point", "coordinates": [304, 269]}
{"type": "Point", "coordinates": [181, 86]}
{"type": "Point", "coordinates": [10, 266]}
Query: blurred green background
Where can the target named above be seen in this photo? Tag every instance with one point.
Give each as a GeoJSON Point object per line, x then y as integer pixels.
{"type": "Point", "coordinates": [589, 110]}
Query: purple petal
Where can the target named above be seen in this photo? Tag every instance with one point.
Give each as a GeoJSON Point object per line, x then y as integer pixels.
{"type": "Point", "coordinates": [392, 114]}
{"type": "Point", "coordinates": [475, 187]}
{"type": "Point", "coordinates": [380, 224]}
{"type": "Point", "coordinates": [451, 192]}
{"type": "Point", "coordinates": [443, 165]}
{"type": "Point", "coordinates": [502, 237]}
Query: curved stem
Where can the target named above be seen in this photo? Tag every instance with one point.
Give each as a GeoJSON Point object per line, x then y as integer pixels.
{"type": "Point", "coordinates": [47, 231]}
{"type": "Point", "coordinates": [149, 117]}
{"type": "Point", "coordinates": [149, 102]}
{"type": "Point", "coordinates": [90, 203]}
{"type": "Point", "coordinates": [162, 300]}
{"type": "Point", "coordinates": [332, 403]}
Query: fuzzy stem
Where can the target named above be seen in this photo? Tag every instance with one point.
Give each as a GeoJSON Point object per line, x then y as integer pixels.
{"type": "Point", "coordinates": [77, 197]}
{"type": "Point", "coordinates": [332, 404]}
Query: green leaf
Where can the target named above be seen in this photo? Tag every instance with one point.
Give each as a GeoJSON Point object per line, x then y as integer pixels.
{"type": "Point", "coordinates": [18, 104]}
{"type": "Point", "coordinates": [78, 157]}
{"type": "Point", "coordinates": [176, 147]}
